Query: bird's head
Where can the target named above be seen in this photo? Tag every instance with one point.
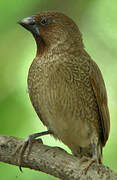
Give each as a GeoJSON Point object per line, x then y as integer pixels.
{"type": "Point", "coordinates": [51, 29]}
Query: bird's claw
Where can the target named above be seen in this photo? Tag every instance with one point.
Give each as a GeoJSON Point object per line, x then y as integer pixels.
{"type": "Point", "coordinates": [28, 145]}
{"type": "Point", "coordinates": [22, 148]}
{"type": "Point", "coordinates": [87, 162]}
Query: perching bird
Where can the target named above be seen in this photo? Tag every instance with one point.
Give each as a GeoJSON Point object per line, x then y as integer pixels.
{"type": "Point", "coordinates": [66, 87]}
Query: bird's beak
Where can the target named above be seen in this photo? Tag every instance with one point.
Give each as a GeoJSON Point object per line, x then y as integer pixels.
{"type": "Point", "coordinates": [30, 24]}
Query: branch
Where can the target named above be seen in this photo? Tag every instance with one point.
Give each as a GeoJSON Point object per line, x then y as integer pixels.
{"type": "Point", "coordinates": [52, 160]}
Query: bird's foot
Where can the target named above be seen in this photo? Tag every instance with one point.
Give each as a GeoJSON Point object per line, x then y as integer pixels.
{"type": "Point", "coordinates": [87, 162]}
{"type": "Point", "coordinates": [28, 145]}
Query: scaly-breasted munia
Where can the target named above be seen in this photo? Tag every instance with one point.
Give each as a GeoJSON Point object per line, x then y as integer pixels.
{"type": "Point", "coordinates": [66, 87]}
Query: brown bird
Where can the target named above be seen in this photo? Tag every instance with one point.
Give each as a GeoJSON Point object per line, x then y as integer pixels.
{"type": "Point", "coordinates": [66, 87]}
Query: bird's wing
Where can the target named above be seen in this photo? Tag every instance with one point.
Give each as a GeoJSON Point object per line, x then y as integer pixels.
{"type": "Point", "coordinates": [99, 89]}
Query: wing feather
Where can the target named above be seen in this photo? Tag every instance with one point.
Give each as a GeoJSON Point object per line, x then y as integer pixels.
{"type": "Point", "coordinates": [99, 89]}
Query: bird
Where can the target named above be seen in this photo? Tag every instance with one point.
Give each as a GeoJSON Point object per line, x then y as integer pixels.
{"type": "Point", "coordinates": [66, 87]}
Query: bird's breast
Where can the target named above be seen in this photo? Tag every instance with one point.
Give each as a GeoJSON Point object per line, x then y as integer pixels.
{"type": "Point", "coordinates": [63, 99]}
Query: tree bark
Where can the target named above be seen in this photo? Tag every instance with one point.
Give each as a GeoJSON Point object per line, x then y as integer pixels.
{"type": "Point", "coordinates": [52, 160]}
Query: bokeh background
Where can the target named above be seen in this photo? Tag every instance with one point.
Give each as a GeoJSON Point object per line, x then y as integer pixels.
{"type": "Point", "coordinates": [97, 21]}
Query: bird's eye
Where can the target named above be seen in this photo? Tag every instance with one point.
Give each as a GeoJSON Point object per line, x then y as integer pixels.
{"type": "Point", "coordinates": [45, 21]}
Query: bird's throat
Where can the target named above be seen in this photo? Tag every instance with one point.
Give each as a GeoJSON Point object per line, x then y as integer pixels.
{"type": "Point", "coordinates": [41, 46]}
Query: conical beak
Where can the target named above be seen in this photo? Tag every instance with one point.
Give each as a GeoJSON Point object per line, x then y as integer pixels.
{"type": "Point", "coordinates": [30, 24]}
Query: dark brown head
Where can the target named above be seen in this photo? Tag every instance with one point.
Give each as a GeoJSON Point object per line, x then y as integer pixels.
{"type": "Point", "coordinates": [52, 29]}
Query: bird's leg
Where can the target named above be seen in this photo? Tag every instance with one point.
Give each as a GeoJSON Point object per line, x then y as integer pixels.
{"type": "Point", "coordinates": [28, 144]}
{"type": "Point", "coordinates": [94, 152]}
{"type": "Point", "coordinates": [94, 158]}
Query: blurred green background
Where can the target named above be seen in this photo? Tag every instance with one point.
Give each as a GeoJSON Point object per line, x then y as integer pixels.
{"type": "Point", "coordinates": [97, 21]}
